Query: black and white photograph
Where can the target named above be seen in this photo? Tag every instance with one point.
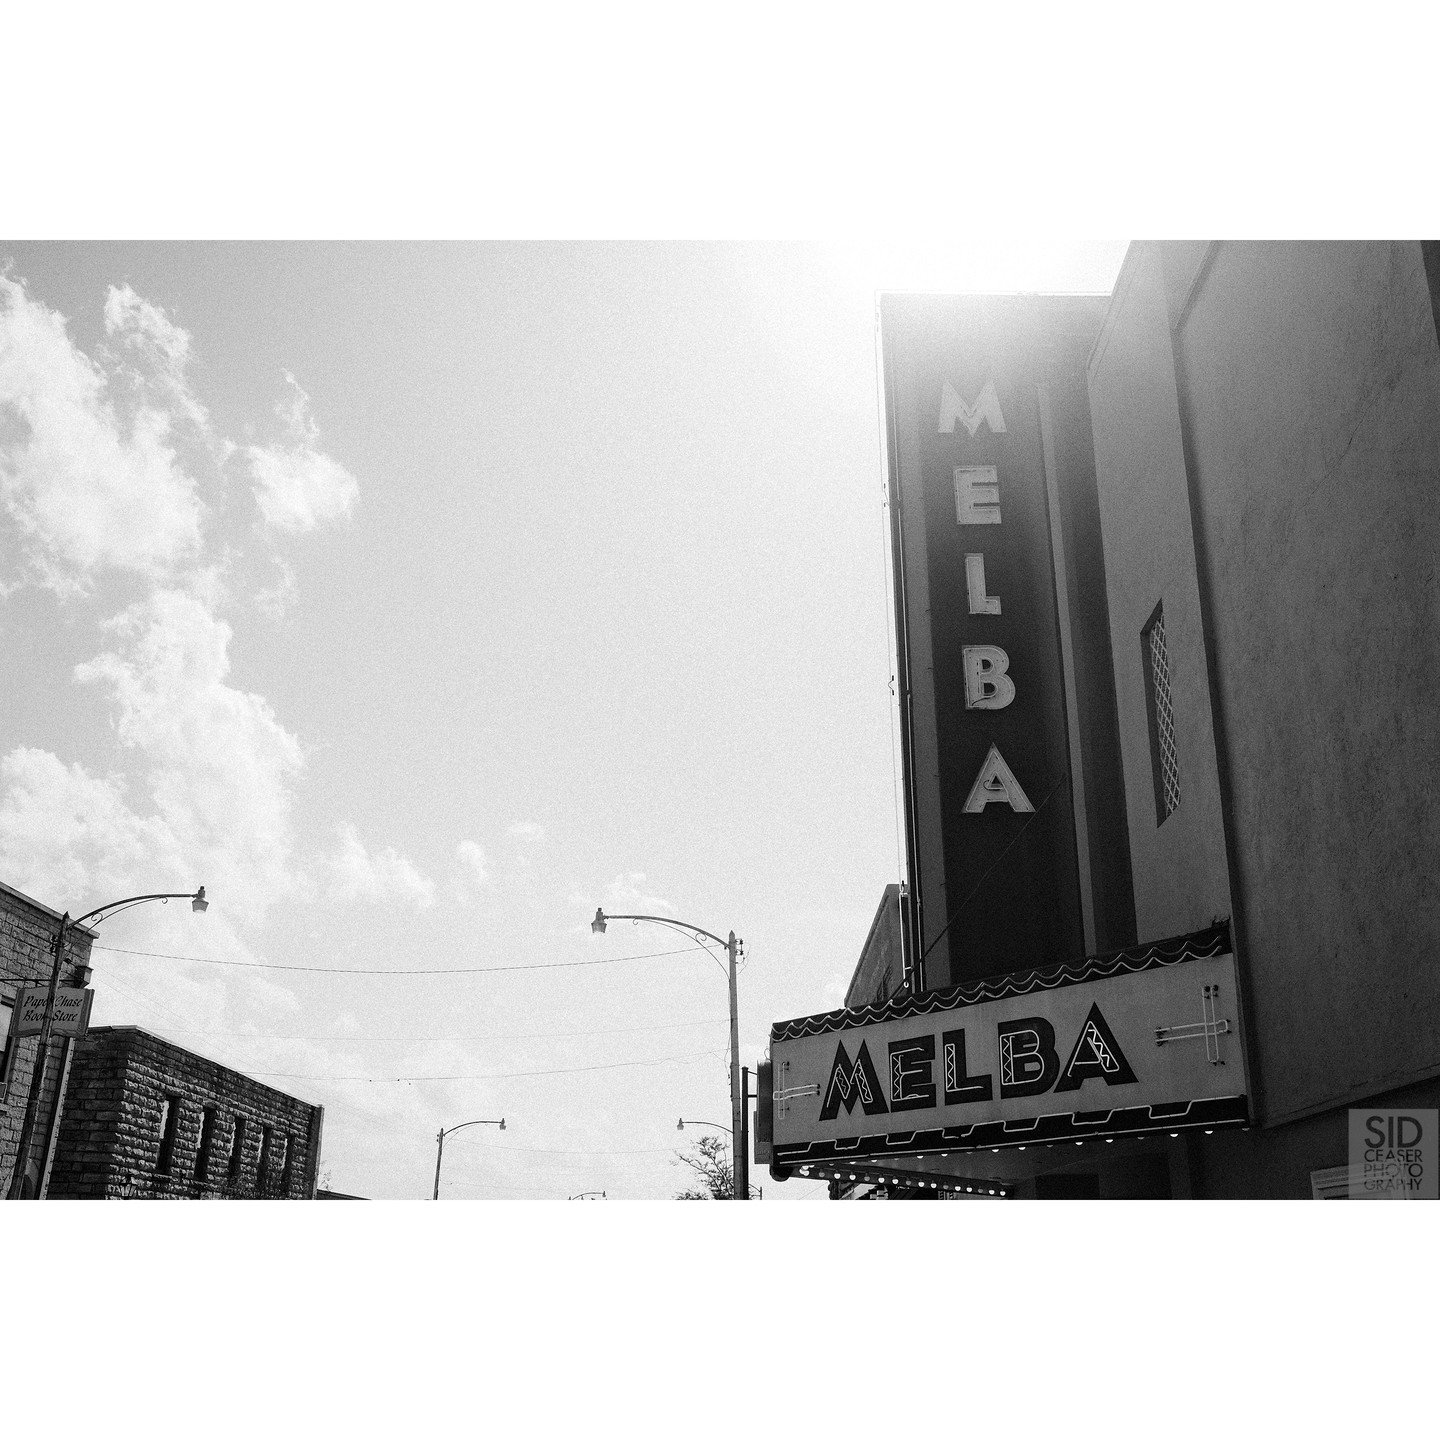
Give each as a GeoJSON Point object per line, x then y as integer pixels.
{"type": "Point", "coordinates": [614, 699]}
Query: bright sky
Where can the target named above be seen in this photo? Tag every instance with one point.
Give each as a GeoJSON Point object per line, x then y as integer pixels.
{"type": "Point", "coordinates": [418, 599]}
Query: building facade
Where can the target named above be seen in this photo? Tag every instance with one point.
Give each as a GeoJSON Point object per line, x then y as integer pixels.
{"type": "Point", "coordinates": [1267, 439]}
{"type": "Point", "coordinates": [881, 968]}
{"type": "Point", "coordinates": [1165, 568]}
{"type": "Point", "coordinates": [27, 956]}
{"type": "Point", "coordinates": [146, 1119]}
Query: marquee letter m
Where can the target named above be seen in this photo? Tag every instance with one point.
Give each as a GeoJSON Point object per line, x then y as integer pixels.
{"type": "Point", "coordinates": [986, 407]}
{"type": "Point", "coordinates": [851, 1082]}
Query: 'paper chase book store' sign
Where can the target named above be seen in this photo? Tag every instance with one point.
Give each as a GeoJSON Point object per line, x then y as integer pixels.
{"type": "Point", "coordinates": [1142, 1040]}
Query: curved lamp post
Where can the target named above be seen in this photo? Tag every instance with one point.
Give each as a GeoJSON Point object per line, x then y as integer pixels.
{"type": "Point", "coordinates": [584, 1193]}
{"type": "Point", "coordinates": [681, 1124]}
{"type": "Point", "coordinates": [100, 913]}
{"type": "Point", "coordinates": [739, 1161]}
{"type": "Point", "coordinates": [440, 1140]}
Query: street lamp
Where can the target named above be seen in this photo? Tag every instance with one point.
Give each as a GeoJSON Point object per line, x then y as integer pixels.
{"type": "Point", "coordinates": [584, 1193]}
{"type": "Point", "coordinates": [681, 1124]}
{"type": "Point", "coordinates": [739, 1160]}
{"type": "Point", "coordinates": [100, 913]}
{"type": "Point", "coordinates": [440, 1138]}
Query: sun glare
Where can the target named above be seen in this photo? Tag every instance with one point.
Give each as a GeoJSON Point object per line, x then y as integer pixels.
{"type": "Point", "coordinates": [965, 267]}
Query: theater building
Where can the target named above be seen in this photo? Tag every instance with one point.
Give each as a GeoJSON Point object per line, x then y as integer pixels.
{"type": "Point", "coordinates": [1166, 618]}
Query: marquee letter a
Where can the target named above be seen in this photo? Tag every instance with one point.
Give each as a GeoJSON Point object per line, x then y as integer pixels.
{"type": "Point", "coordinates": [996, 782]}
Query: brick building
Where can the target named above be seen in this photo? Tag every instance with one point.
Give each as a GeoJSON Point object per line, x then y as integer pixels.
{"type": "Point", "coordinates": [146, 1119]}
{"type": "Point", "coordinates": [27, 948]}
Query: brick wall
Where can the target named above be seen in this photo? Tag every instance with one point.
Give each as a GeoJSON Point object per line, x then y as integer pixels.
{"type": "Point", "coordinates": [113, 1126]}
{"type": "Point", "coordinates": [27, 942]}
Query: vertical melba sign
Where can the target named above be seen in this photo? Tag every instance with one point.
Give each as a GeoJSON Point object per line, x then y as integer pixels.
{"type": "Point", "coordinates": [990, 821]}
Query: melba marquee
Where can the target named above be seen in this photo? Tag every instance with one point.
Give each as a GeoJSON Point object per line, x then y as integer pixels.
{"type": "Point", "coordinates": [1142, 1040]}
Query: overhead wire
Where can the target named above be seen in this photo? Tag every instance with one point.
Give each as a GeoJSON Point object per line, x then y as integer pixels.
{"type": "Point", "coordinates": [419, 970]}
{"type": "Point", "coordinates": [558, 1150]}
{"type": "Point", "coordinates": [892, 643]}
{"type": "Point", "coordinates": [500, 1075]}
{"type": "Point", "coordinates": [476, 1036]}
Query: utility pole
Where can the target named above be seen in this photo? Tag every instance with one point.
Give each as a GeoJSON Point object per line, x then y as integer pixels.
{"type": "Point", "coordinates": [739, 1155]}
{"type": "Point", "coordinates": [746, 1096]}
{"type": "Point", "coordinates": [440, 1145]}
{"type": "Point", "coordinates": [37, 1077]}
{"type": "Point", "coordinates": [739, 1136]}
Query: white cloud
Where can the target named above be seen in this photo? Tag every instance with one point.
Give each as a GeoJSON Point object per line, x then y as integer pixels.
{"type": "Point", "coordinates": [200, 790]}
{"type": "Point", "coordinates": [474, 871]}
{"type": "Point", "coordinates": [626, 894]}
{"type": "Point", "coordinates": [274, 600]}
{"type": "Point", "coordinates": [73, 840]}
{"type": "Point", "coordinates": [298, 486]}
{"type": "Point", "coordinates": [67, 836]}
{"type": "Point", "coordinates": [208, 769]}
{"type": "Point", "coordinates": [218, 765]}
{"type": "Point", "coordinates": [208, 798]}
{"type": "Point", "coordinates": [142, 325]}
{"type": "Point", "coordinates": [86, 491]}
{"type": "Point", "coordinates": [206, 801]}
{"type": "Point", "coordinates": [355, 874]}
{"type": "Point", "coordinates": [162, 351]}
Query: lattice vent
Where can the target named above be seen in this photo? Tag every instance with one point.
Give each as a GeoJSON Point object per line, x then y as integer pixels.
{"type": "Point", "coordinates": [1163, 754]}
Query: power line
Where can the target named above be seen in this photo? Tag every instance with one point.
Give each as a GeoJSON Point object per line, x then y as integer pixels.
{"type": "Point", "coordinates": [339, 1039]}
{"type": "Point", "coordinates": [502, 1075]}
{"type": "Point", "coordinates": [500, 1185]}
{"type": "Point", "coordinates": [552, 1150]}
{"type": "Point", "coordinates": [360, 970]}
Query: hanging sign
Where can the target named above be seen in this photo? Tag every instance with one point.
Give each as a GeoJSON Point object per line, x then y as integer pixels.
{"type": "Point", "coordinates": [982, 395]}
{"type": "Point", "coordinates": [72, 1011]}
{"type": "Point", "coordinates": [1142, 1040]}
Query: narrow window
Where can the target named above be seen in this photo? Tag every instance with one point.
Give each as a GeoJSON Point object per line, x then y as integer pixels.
{"type": "Point", "coordinates": [262, 1171]}
{"type": "Point", "coordinates": [1164, 763]}
{"type": "Point", "coordinates": [237, 1148]}
{"type": "Point", "coordinates": [169, 1123]}
{"type": "Point", "coordinates": [6, 1009]}
{"type": "Point", "coordinates": [207, 1143]}
{"type": "Point", "coordinates": [288, 1149]}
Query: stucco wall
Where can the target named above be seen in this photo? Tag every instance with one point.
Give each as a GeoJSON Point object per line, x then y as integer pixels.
{"type": "Point", "coordinates": [1178, 866]}
{"type": "Point", "coordinates": [1310, 378]}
